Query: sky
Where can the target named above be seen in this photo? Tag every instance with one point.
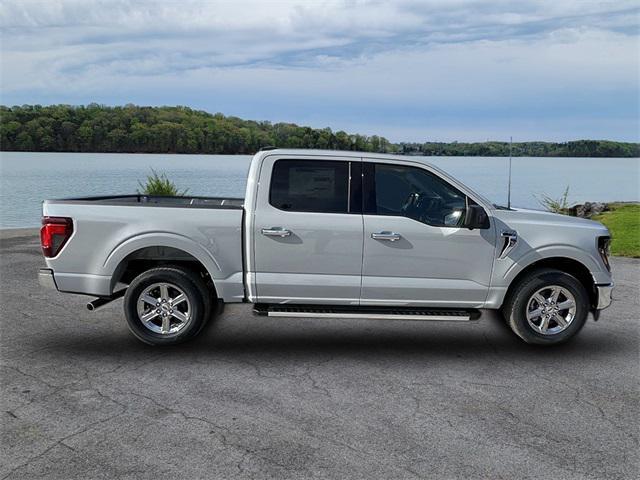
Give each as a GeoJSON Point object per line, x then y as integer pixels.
{"type": "Point", "coordinates": [408, 70]}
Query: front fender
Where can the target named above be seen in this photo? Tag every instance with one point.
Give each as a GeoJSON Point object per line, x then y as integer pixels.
{"type": "Point", "coordinates": [507, 269]}
{"type": "Point", "coordinates": [583, 257]}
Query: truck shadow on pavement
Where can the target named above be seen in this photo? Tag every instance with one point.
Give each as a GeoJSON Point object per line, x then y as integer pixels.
{"type": "Point", "coordinates": [489, 338]}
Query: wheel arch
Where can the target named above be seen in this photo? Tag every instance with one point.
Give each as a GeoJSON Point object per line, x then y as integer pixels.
{"type": "Point", "coordinates": [564, 264]}
{"type": "Point", "coordinates": [141, 253]}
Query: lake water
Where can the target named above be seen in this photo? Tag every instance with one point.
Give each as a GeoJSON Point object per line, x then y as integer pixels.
{"type": "Point", "coordinates": [28, 178]}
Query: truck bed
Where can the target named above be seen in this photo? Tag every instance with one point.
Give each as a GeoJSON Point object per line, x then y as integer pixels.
{"type": "Point", "coordinates": [156, 201]}
{"type": "Point", "coordinates": [109, 231]}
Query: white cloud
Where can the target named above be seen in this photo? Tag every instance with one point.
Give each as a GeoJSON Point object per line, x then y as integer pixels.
{"type": "Point", "coordinates": [432, 59]}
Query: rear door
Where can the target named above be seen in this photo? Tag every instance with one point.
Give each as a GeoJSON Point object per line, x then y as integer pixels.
{"type": "Point", "coordinates": [415, 251]}
{"type": "Point", "coordinates": [308, 230]}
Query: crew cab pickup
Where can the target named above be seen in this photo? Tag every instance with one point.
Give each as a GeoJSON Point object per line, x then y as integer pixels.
{"type": "Point", "coordinates": [329, 234]}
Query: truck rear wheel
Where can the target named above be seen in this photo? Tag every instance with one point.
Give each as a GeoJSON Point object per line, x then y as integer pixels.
{"type": "Point", "coordinates": [547, 307]}
{"type": "Point", "coordinates": [167, 305]}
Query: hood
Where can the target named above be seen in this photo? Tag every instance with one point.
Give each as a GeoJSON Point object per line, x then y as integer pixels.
{"type": "Point", "coordinates": [543, 218]}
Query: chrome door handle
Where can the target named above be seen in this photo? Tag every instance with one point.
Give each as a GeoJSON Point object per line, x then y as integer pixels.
{"type": "Point", "coordinates": [389, 236]}
{"type": "Point", "coordinates": [276, 232]}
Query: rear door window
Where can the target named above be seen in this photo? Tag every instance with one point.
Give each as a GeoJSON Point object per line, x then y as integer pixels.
{"type": "Point", "coordinates": [310, 186]}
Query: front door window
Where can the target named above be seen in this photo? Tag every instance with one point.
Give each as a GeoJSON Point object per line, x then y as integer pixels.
{"type": "Point", "coordinates": [414, 193]}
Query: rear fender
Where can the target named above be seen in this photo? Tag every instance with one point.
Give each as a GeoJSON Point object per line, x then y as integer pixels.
{"type": "Point", "coordinates": [161, 239]}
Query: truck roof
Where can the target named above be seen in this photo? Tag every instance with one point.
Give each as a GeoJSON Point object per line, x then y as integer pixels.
{"type": "Point", "coordinates": [333, 153]}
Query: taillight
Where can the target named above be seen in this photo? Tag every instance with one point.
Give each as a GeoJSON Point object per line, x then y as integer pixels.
{"type": "Point", "coordinates": [604, 249]}
{"type": "Point", "coordinates": [54, 234]}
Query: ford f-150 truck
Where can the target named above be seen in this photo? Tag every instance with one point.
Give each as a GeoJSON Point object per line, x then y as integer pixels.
{"type": "Point", "coordinates": [329, 234]}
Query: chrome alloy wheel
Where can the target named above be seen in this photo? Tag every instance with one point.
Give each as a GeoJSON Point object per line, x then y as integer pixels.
{"type": "Point", "coordinates": [551, 310]}
{"type": "Point", "coordinates": [164, 308]}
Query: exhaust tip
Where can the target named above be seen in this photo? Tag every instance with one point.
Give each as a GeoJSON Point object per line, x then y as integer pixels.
{"type": "Point", "coordinates": [102, 301]}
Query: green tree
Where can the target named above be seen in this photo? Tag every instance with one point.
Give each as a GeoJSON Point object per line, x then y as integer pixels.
{"type": "Point", "coordinates": [131, 128]}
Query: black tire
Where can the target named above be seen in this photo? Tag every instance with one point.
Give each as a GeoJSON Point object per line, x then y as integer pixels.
{"type": "Point", "coordinates": [199, 304]}
{"type": "Point", "coordinates": [517, 303]}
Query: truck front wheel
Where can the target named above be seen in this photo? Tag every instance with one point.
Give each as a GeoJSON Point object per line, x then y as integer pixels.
{"type": "Point", "coordinates": [547, 307]}
{"type": "Point", "coordinates": [166, 305]}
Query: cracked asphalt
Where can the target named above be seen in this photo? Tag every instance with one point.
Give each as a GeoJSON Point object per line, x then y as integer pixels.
{"type": "Point", "coordinates": [255, 397]}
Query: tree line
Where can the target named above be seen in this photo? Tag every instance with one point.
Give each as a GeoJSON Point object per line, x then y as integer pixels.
{"type": "Point", "coordinates": [136, 129]}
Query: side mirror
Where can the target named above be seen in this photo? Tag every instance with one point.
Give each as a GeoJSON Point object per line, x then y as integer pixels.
{"type": "Point", "coordinates": [475, 217]}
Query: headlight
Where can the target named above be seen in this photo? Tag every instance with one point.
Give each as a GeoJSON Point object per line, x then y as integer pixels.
{"type": "Point", "coordinates": [604, 249]}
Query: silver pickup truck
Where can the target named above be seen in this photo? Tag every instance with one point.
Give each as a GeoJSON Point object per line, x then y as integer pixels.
{"type": "Point", "coordinates": [329, 234]}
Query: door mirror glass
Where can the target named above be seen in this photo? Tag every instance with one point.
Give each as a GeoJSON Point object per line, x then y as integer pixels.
{"type": "Point", "coordinates": [475, 217]}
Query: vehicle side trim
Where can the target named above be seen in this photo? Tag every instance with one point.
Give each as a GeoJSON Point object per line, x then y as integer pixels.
{"type": "Point", "coordinates": [367, 312]}
{"type": "Point", "coordinates": [371, 316]}
{"type": "Point", "coordinates": [604, 296]}
{"type": "Point", "coordinates": [159, 201]}
{"type": "Point", "coordinates": [83, 283]}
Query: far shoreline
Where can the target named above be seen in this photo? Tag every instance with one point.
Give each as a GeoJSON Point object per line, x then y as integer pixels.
{"type": "Point", "coordinates": [95, 128]}
{"type": "Point", "coordinates": [251, 154]}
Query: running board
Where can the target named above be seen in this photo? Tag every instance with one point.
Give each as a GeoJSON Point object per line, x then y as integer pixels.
{"type": "Point", "coordinates": [366, 312]}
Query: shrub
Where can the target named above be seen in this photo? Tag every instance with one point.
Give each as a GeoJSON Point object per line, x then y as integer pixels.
{"type": "Point", "coordinates": [559, 205]}
{"type": "Point", "coordinates": [159, 184]}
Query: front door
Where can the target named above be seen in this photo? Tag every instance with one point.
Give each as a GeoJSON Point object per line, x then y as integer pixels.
{"type": "Point", "coordinates": [415, 251]}
{"type": "Point", "coordinates": [308, 231]}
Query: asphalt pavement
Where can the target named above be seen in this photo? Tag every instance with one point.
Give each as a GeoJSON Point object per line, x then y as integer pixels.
{"type": "Point", "coordinates": [257, 397]}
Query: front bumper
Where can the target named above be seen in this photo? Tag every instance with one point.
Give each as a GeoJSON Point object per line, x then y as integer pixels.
{"type": "Point", "coordinates": [604, 296]}
{"type": "Point", "coordinates": [46, 278]}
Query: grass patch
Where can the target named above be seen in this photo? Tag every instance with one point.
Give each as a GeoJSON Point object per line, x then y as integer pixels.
{"type": "Point", "coordinates": [623, 221]}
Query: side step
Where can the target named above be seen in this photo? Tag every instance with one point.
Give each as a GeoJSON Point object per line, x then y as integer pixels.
{"type": "Point", "coordinates": [367, 312]}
